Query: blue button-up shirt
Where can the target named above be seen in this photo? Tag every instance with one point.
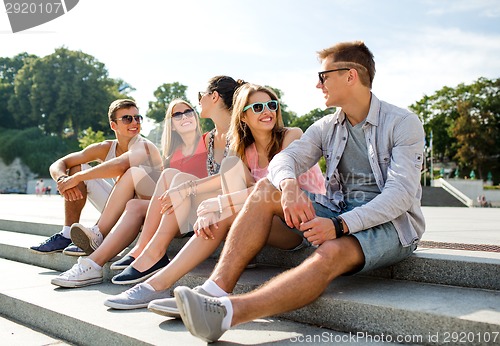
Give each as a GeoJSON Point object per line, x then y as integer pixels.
{"type": "Point", "coordinates": [395, 142]}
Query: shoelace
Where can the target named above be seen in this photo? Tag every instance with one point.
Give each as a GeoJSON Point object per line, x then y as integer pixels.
{"type": "Point", "coordinates": [131, 291]}
{"type": "Point", "coordinates": [213, 305]}
{"type": "Point", "coordinates": [52, 237]}
{"type": "Point", "coordinates": [78, 269]}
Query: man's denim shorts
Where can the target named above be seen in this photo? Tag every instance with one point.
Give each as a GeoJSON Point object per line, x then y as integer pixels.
{"type": "Point", "coordinates": [380, 244]}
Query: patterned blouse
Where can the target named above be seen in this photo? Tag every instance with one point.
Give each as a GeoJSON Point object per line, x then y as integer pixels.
{"type": "Point", "coordinates": [212, 166]}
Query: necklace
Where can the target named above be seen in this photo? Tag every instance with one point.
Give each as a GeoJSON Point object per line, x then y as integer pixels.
{"type": "Point", "coordinates": [212, 166]}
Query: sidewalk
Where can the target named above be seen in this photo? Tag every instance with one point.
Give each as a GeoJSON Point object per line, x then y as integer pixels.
{"type": "Point", "coordinates": [444, 224]}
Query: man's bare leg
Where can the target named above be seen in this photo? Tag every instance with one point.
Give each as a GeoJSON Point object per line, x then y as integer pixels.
{"type": "Point", "coordinates": [301, 285]}
{"type": "Point", "coordinates": [248, 235]}
{"type": "Point", "coordinates": [73, 210]}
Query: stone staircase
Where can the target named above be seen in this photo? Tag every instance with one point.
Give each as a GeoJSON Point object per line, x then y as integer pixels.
{"type": "Point", "coordinates": [435, 297]}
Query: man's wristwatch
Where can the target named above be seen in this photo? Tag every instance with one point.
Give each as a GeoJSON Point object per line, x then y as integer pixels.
{"type": "Point", "coordinates": [339, 226]}
{"type": "Point", "coordinates": [61, 178]}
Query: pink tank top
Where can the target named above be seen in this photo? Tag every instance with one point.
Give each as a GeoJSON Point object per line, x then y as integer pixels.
{"type": "Point", "coordinates": [312, 180]}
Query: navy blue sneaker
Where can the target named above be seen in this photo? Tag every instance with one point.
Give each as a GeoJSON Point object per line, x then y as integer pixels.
{"type": "Point", "coordinates": [56, 243]}
{"type": "Point", "coordinates": [131, 275]}
{"type": "Point", "coordinates": [73, 250]}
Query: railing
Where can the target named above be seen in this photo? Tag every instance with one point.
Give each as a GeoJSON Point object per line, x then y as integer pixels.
{"type": "Point", "coordinates": [456, 193]}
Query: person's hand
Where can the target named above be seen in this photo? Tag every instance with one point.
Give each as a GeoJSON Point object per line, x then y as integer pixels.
{"type": "Point", "coordinates": [73, 194]}
{"type": "Point", "coordinates": [318, 230]}
{"type": "Point", "coordinates": [202, 225]}
{"type": "Point", "coordinates": [297, 207]}
{"type": "Point", "coordinates": [210, 205]}
{"type": "Point", "coordinates": [168, 197]}
{"type": "Point", "coordinates": [67, 183]}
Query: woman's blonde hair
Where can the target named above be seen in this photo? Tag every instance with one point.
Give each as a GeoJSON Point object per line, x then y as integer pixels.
{"type": "Point", "coordinates": [241, 136]}
{"type": "Point", "coordinates": [171, 140]}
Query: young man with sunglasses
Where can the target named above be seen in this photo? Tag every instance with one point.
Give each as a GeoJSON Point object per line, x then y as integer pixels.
{"type": "Point", "coordinates": [370, 216]}
{"type": "Point", "coordinates": [77, 181]}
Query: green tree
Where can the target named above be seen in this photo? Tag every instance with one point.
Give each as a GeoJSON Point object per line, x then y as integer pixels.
{"type": "Point", "coordinates": [9, 68]}
{"type": "Point", "coordinates": [465, 122]}
{"type": "Point", "coordinates": [88, 137]}
{"type": "Point", "coordinates": [63, 93]}
{"type": "Point", "coordinates": [164, 94]}
{"type": "Point", "coordinates": [288, 116]}
{"type": "Point", "coordinates": [308, 119]}
{"type": "Point", "coordinates": [36, 149]}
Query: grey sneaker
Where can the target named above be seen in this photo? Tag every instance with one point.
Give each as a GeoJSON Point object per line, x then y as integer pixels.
{"type": "Point", "coordinates": [87, 239]}
{"type": "Point", "coordinates": [168, 306]}
{"type": "Point", "coordinates": [136, 297]}
{"type": "Point", "coordinates": [201, 315]}
{"type": "Point", "coordinates": [81, 274]}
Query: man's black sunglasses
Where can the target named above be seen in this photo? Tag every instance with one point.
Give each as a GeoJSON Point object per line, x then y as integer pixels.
{"type": "Point", "coordinates": [321, 74]}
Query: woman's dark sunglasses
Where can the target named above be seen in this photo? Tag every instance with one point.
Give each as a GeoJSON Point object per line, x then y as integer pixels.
{"type": "Point", "coordinates": [178, 115]}
{"type": "Point", "coordinates": [127, 119]}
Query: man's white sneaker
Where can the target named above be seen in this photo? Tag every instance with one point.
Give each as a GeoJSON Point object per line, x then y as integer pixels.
{"type": "Point", "coordinates": [81, 274]}
{"type": "Point", "coordinates": [87, 239]}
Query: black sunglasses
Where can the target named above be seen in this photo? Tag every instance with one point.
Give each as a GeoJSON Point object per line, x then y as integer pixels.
{"type": "Point", "coordinates": [178, 115]}
{"type": "Point", "coordinates": [127, 119]}
{"type": "Point", "coordinates": [321, 75]}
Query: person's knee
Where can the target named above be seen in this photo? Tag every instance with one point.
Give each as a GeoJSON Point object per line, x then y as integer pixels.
{"type": "Point", "coordinates": [75, 169]}
{"type": "Point", "coordinates": [132, 205]}
{"type": "Point", "coordinates": [339, 256]}
{"type": "Point", "coordinates": [265, 193]}
{"type": "Point", "coordinates": [180, 178]}
{"type": "Point", "coordinates": [168, 174]}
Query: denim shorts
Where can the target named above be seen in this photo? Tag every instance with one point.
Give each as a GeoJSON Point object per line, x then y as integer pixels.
{"type": "Point", "coordinates": [380, 244]}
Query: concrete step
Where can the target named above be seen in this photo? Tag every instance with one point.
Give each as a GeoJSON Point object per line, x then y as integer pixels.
{"type": "Point", "coordinates": [78, 315]}
{"type": "Point", "coordinates": [473, 269]}
{"type": "Point", "coordinates": [16, 334]}
{"type": "Point", "coordinates": [439, 197]}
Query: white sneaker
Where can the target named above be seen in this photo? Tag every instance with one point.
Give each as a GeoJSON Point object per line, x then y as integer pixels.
{"type": "Point", "coordinates": [81, 274]}
{"type": "Point", "coordinates": [87, 239]}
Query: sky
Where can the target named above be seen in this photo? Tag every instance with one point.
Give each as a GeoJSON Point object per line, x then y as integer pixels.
{"type": "Point", "coordinates": [419, 46]}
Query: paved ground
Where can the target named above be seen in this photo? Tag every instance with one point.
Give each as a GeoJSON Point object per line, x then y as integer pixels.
{"type": "Point", "coordinates": [444, 224]}
{"type": "Point", "coordinates": [450, 225]}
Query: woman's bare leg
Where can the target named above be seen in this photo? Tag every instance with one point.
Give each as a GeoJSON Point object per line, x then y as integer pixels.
{"type": "Point", "coordinates": [168, 228]}
{"type": "Point", "coordinates": [153, 216]}
{"type": "Point", "coordinates": [123, 191]}
{"type": "Point", "coordinates": [124, 233]}
{"type": "Point", "coordinates": [196, 250]}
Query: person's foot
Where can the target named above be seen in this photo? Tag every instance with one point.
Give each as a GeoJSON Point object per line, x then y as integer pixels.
{"type": "Point", "coordinates": [56, 243]}
{"type": "Point", "coordinates": [122, 263]}
{"type": "Point", "coordinates": [130, 275]}
{"type": "Point", "coordinates": [168, 306]}
{"type": "Point", "coordinates": [201, 315]}
{"type": "Point", "coordinates": [73, 250]}
{"type": "Point", "coordinates": [136, 297]}
{"type": "Point", "coordinates": [81, 274]}
{"type": "Point", "coordinates": [87, 239]}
